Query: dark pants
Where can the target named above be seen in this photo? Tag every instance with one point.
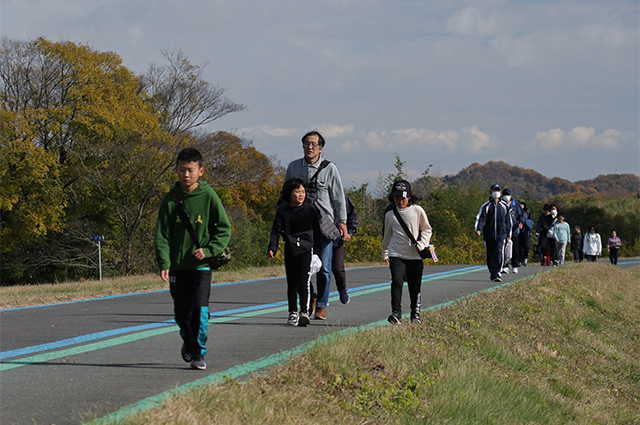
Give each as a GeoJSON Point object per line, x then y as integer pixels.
{"type": "Point", "coordinates": [553, 252]}
{"type": "Point", "coordinates": [613, 255]}
{"type": "Point", "coordinates": [515, 249]}
{"type": "Point", "coordinates": [413, 270]}
{"type": "Point", "coordinates": [495, 251]}
{"type": "Point", "coordinates": [578, 255]}
{"type": "Point", "coordinates": [591, 258]}
{"type": "Point", "coordinates": [337, 267]}
{"type": "Point", "coordinates": [298, 280]}
{"type": "Point", "coordinates": [524, 244]}
{"type": "Point", "coordinates": [190, 290]}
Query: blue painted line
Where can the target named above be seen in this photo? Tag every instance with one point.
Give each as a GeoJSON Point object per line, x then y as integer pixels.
{"type": "Point", "coordinates": [107, 334]}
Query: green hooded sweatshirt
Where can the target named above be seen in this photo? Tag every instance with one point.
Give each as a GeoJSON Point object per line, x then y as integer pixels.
{"type": "Point", "coordinates": [174, 246]}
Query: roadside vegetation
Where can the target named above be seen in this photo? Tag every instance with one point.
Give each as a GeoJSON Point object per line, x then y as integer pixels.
{"type": "Point", "coordinates": [559, 348]}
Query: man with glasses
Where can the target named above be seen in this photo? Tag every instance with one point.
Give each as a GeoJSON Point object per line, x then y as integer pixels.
{"type": "Point", "coordinates": [330, 201]}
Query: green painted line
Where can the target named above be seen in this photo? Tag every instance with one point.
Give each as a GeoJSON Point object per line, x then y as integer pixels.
{"type": "Point", "coordinates": [272, 360]}
{"type": "Point", "coordinates": [54, 355]}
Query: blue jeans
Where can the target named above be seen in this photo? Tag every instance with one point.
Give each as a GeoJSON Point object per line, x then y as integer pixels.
{"type": "Point", "coordinates": [323, 280]}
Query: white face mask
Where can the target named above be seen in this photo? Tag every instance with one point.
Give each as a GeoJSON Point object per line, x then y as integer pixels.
{"type": "Point", "coordinates": [554, 213]}
{"type": "Point", "coordinates": [506, 198]}
{"type": "Point", "coordinates": [495, 195]}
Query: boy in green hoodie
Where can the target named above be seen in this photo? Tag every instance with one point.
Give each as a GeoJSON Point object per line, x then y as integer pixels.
{"type": "Point", "coordinates": [184, 264]}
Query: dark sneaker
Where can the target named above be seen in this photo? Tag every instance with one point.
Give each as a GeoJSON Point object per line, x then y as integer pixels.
{"type": "Point", "coordinates": [314, 301]}
{"type": "Point", "coordinates": [415, 318]}
{"type": "Point", "coordinates": [395, 318]}
{"type": "Point", "coordinates": [198, 363]}
{"type": "Point", "coordinates": [185, 356]}
{"type": "Point", "coordinates": [344, 297]}
{"type": "Point", "coordinates": [293, 319]}
{"type": "Point", "coordinates": [303, 320]}
{"type": "Point", "coordinates": [321, 313]}
{"type": "Point", "coordinates": [497, 279]}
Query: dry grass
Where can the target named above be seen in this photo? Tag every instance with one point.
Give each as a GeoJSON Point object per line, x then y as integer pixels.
{"type": "Point", "coordinates": [32, 295]}
{"type": "Point", "coordinates": [559, 348]}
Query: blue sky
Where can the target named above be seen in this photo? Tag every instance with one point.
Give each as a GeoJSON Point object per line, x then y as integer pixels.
{"type": "Point", "coordinates": [552, 86]}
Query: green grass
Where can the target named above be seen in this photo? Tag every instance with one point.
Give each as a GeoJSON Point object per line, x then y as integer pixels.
{"type": "Point", "coordinates": [560, 348]}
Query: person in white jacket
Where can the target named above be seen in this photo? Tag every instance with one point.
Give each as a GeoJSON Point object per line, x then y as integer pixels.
{"type": "Point", "coordinates": [592, 245]}
{"type": "Point", "coordinates": [399, 251]}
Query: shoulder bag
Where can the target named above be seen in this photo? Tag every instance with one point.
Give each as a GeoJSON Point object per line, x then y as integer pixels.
{"type": "Point", "coordinates": [216, 261]}
{"type": "Point", "coordinates": [425, 253]}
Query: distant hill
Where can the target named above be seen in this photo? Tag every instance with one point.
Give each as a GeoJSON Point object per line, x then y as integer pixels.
{"type": "Point", "coordinates": [540, 187]}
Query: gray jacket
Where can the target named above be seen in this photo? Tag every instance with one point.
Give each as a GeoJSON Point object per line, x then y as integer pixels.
{"type": "Point", "coordinates": [330, 191]}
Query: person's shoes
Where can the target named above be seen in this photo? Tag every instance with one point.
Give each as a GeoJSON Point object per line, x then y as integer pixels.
{"type": "Point", "coordinates": [321, 313]}
{"type": "Point", "coordinates": [185, 355]}
{"type": "Point", "coordinates": [314, 301]}
{"type": "Point", "coordinates": [303, 320]}
{"type": "Point", "coordinates": [395, 318]}
{"type": "Point", "coordinates": [415, 318]}
{"type": "Point", "coordinates": [497, 279]}
{"type": "Point", "coordinates": [344, 297]}
{"type": "Point", "coordinates": [505, 270]}
{"type": "Point", "coordinates": [515, 270]}
{"type": "Point", "coordinates": [293, 319]}
{"type": "Point", "coordinates": [198, 363]}
{"type": "Point", "coordinates": [526, 260]}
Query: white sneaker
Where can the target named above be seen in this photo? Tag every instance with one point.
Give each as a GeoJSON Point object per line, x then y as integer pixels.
{"type": "Point", "coordinates": [505, 270]}
{"type": "Point", "coordinates": [293, 319]}
{"type": "Point", "coordinates": [515, 270]}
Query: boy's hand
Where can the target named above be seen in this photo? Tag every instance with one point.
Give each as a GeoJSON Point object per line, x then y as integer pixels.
{"type": "Point", "coordinates": [164, 275]}
{"type": "Point", "coordinates": [199, 254]}
{"type": "Point", "coordinates": [270, 254]}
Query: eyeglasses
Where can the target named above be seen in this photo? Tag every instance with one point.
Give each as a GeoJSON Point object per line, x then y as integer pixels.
{"type": "Point", "coordinates": [312, 145]}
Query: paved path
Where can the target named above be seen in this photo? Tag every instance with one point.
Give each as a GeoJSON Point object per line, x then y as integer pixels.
{"type": "Point", "coordinates": [63, 363]}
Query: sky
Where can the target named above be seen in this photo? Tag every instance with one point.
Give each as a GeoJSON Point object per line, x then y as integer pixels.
{"type": "Point", "coordinates": [546, 85]}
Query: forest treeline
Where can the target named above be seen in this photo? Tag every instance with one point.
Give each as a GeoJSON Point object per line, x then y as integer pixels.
{"type": "Point", "coordinates": [88, 148]}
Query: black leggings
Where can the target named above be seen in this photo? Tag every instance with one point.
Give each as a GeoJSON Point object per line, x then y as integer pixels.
{"type": "Point", "coordinates": [413, 269]}
{"type": "Point", "coordinates": [298, 280]}
{"type": "Point", "coordinates": [613, 255]}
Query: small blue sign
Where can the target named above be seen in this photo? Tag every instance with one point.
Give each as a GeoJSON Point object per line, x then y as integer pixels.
{"type": "Point", "coordinates": [98, 238]}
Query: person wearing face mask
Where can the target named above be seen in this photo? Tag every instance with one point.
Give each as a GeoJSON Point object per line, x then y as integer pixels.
{"type": "Point", "coordinates": [542, 243]}
{"type": "Point", "coordinates": [553, 251]}
{"type": "Point", "coordinates": [494, 223]}
{"type": "Point", "coordinates": [517, 219]}
{"type": "Point", "coordinates": [592, 245]}
{"type": "Point", "coordinates": [524, 241]}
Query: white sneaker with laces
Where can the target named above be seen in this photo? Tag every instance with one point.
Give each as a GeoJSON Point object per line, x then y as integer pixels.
{"type": "Point", "coordinates": [293, 319]}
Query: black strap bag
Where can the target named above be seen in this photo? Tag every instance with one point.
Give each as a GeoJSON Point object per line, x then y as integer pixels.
{"type": "Point", "coordinates": [216, 261]}
{"type": "Point", "coordinates": [425, 253]}
{"type": "Point", "coordinates": [327, 226]}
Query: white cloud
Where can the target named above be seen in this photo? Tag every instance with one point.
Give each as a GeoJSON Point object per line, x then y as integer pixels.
{"type": "Point", "coordinates": [334, 130]}
{"type": "Point", "coordinates": [278, 132]}
{"type": "Point", "coordinates": [475, 21]}
{"type": "Point", "coordinates": [476, 140]}
{"type": "Point", "coordinates": [580, 137]}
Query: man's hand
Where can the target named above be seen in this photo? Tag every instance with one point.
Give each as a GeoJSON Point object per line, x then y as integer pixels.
{"type": "Point", "coordinates": [345, 233]}
{"type": "Point", "coordinates": [164, 275]}
{"type": "Point", "coordinates": [387, 260]}
{"type": "Point", "coordinates": [270, 254]}
{"type": "Point", "coordinates": [199, 254]}
{"type": "Point", "coordinates": [478, 232]}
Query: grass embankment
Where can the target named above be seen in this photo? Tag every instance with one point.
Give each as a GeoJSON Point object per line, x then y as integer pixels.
{"type": "Point", "coordinates": [32, 295]}
{"type": "Point", "coordinates": [559, 348]}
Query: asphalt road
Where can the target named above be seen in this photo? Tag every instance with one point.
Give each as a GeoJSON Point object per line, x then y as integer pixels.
{"type": "Point", "coordinates": [64, 363]}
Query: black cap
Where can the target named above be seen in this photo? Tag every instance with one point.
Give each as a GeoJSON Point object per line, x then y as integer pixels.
{"type": "Point", "coordinates": [507, 191]}
{"type": "Point", "coordinates": [495, 187]}
{"type": "Point", "coordinates": [401, 188]}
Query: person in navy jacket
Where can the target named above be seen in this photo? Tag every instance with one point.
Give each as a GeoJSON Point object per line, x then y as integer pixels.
{"type": "Point", "coordinates": [494, 222]}
{"type": "Point", "coordinates": [517, 221]}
